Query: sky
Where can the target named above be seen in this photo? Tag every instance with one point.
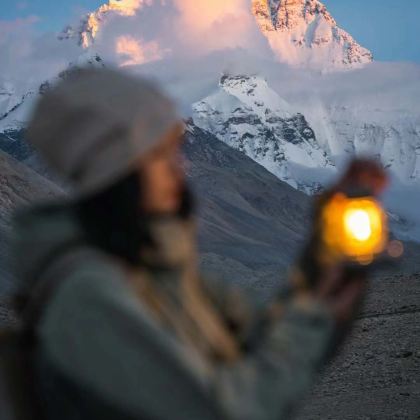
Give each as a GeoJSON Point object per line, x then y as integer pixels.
{"type": "Point", "coordinates": [389, 28]}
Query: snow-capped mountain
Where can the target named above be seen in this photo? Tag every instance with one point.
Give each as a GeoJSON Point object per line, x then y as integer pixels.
{"type": "Point", "coordinates": [305, 146]}
{"type": "Point", "coordinates": [392, 137]}
{"type": "Point", "coordinates": [17, 99]}
{"type": "Point", "coordinates": [85, 33]}
{"type": "Point", "coordinates": [300, 32]}
{"type": "Point", "coordinates": [10, 98]}
{"type": "Point", "coordinates": [16, 104]}
{"type": "Point", "coordinates": [250, 117]}
{"type": "Point", "coordinates": [301, 143]}
{"type": "Point", "coordinates": [303, 33]}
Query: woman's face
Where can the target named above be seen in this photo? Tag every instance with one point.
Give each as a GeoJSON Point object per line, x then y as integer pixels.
{"type": "Point", "coordinates": [163, 174]}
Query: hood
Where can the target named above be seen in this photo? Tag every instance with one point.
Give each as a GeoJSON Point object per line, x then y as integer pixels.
{"type": "Point", "coordinates": [38, 232]}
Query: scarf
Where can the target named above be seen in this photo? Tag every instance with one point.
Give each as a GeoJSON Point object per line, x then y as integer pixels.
{"type": "Point", "coordinates": [171, 288]}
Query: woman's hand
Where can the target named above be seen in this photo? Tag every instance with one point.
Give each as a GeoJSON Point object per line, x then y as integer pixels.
{"type": "Point", "coordinates": [337, 283]}
{"type": "Point", "coordinates": [342, 291]}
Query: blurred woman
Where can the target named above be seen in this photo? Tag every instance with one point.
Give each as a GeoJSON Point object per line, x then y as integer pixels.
{"type": "Point", "coordinates": [131, 329]}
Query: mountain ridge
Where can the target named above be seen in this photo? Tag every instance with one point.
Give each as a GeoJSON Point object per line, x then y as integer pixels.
{"type": "Point", "coordinates": [245, 113]}
{"type": "Point", "coordinates": [303, 33]}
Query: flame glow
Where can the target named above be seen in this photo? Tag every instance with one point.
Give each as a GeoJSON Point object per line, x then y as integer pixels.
{"type": "Point", "coordinates": [136, 52]}
{"type": "Point", "coordinates": [358, 224]}
{"type": "Point", "coordinates": [354, 227]}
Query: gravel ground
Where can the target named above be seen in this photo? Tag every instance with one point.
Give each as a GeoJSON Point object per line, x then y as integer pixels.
{"type": "Point", "coordinates": [376, 375]}
{"type": "Point", "coordinates": [6, 317]}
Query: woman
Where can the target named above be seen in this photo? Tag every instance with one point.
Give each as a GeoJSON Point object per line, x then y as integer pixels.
{"type": "Point", "coordinates": [131, 330]}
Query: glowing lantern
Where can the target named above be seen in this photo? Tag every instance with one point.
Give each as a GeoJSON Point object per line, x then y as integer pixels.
{"type": "Point", "coordinates": [354, 228]}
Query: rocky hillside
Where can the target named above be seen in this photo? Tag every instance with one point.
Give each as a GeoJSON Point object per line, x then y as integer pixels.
{"type": "Point", "coordinates": [250, 223]}
{"type": "Point", "coordinates": [249, 231]}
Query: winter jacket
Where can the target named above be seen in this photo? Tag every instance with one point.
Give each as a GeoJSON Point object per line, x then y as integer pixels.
{"type": "Point", "coordinates": [101, 354]}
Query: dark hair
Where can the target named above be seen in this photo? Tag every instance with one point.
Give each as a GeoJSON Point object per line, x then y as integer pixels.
{"type": "Point", "coordinates": [114, 221]}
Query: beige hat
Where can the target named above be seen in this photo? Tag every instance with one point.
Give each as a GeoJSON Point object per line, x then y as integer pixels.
{"type": "Point", "coordinates": [93, 126]}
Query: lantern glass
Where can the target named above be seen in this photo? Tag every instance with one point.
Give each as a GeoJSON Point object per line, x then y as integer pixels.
{"type": "Point", "coordinates": [354, 228]}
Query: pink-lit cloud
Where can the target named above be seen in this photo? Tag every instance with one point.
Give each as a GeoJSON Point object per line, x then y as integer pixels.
{"type": "Point", "coordinates": [186, 44]}
{"type": "Point", "coordinates": [217, 24]}
{"type": "Point", "coordinates": [135, 51]}
{"type": "Point", "coordinates": [172, 28]}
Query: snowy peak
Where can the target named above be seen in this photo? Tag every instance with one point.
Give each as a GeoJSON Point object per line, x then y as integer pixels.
{"type": "Point", "coordinates": [288, 14]}
{"type": "Point", "coordinates": [300, 32]}
{"type": "Point", "coordinates": [16, 106]}
{"type": "Point", "coordinates": [256, 94]}
{"type": "Point", "coordinates": [90, 25]}
{"type": "Point", "coordinates": [303, 148]}
{"type": "Point", "coordinates": [303, 33]}
{"type": "Point", "coordinates": [9, 99]}
{"type": "Point", "coordinates": [252, 118]}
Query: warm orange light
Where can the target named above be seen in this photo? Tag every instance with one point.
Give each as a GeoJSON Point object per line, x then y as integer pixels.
{"type": "Point", "coordinates": [355, 228]}
{"type": "Point", "coordinates": [135, 51]}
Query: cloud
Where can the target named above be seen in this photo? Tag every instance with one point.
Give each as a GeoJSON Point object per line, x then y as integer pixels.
{"type": "Point", "coordinates": [124, 7]}
{"type": "Point", "coordinates": [215, 25]}
{"type": "Point", "coordinates": [185, 44]}
{"type": "Point", "coordinates": [135, 51]}
{"type": "Point", "coordinates": [177, 27]}
{"type": "Point", "coordinates": [9, 26]}
{"type": "Point", "coordinates": [178, 40]}
{"type": "Point", "coordinates": [202, 14]}
{"type": "Point", "coordinates": [28, 58]}
{"type": "Point", "coordinates": [97, 19]}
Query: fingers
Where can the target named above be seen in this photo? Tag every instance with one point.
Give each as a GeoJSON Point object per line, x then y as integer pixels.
{"type": "Point", "coordinates": [341, 290]}
{"type": "Point", "coordinates": [344, 303]}
{"type": "Point", "coordinates": [364, 173]}
{"type": "Point", "coordinates": [330, 281]}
